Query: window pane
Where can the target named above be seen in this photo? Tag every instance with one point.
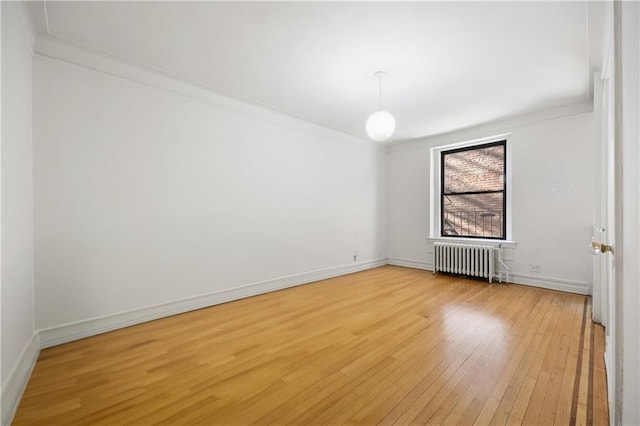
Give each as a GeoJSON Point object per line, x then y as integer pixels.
{"type": "Point", "coordinates": [473, 215]}
{"type": "Point", "coordinates": [474, 170]}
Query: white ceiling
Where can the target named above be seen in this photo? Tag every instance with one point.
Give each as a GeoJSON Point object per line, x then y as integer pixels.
{"type": "Point", "coordinates": [449, 65]}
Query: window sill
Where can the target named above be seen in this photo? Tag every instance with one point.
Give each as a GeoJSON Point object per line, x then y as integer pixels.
{"type": "Point", "coordinates": [497, 243]}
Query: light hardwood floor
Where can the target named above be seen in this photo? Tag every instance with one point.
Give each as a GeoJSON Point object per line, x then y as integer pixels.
{"type": "Point", "coordinates": [388, 345]}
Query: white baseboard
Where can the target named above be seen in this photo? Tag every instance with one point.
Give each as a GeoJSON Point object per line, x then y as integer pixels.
{"type": "Point", "coordinates": [552, 283]}
{"type": "Point", "coordinates": [19, 376]}
{"type": "Point", "coordinates": [16, 382]}
{"type": "Point", "coordinates": [90, 327]}
{"type": "Point", "coordinates": [410, 263]}
{"type": "Point", "coordinates": [542, 281]}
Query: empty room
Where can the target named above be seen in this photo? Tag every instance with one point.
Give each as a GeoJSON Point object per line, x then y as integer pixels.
{"type": "Point", "coordinates": [234, 213]}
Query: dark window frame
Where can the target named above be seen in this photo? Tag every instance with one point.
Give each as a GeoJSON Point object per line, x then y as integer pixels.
{"type": "Point", "coordinates": [443, 194]}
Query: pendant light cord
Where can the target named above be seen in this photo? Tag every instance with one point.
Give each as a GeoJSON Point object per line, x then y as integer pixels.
{"type": "Point", "coordinates": [380, 82]}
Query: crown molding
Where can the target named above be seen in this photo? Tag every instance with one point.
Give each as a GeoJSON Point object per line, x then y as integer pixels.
{"type": "Point", "coordinates": [51, 47]}
{"type": "Point", "coordinates": [32, 16]}
{"type": "Point", "coordinates": [581, 106]}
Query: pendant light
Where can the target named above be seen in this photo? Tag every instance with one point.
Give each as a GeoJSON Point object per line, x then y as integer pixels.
{"type": "Point", "coordinates": [381, 124]}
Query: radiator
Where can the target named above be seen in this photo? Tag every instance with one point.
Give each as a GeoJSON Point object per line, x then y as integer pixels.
{"type": "Point", "coordinates": [465, 259]}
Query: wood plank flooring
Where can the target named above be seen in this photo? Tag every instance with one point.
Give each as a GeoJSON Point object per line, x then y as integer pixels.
{"type": "Point", "coordinates": [390, 345]}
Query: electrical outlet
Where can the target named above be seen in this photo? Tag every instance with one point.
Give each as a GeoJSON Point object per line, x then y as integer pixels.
{"type": "Point", "coordinates": [355, 256]}
{"type": "Point", "coordinates": [536, 268]}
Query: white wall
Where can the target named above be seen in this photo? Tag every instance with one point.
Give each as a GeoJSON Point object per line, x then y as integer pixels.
{"type": "Point", "coordinates": [17, 204]}
{"type": "Point", "coordinates": [552, 187]}
{"type": "Point", "coordinates": [145, 196]}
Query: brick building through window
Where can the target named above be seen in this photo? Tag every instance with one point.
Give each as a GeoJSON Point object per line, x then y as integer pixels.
{"type": "Point", "coordinates": [473, 191]}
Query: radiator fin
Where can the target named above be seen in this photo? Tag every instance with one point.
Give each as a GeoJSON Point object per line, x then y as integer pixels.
{"type": "Point", "coordinates": [473, 260]}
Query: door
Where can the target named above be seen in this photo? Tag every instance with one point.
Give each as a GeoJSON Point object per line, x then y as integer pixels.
{"type": "Point", "coordinates": [604, 232]}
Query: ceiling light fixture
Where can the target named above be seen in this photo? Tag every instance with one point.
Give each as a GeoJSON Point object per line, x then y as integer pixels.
{"type": "Point", "coordinates": [381, 124]}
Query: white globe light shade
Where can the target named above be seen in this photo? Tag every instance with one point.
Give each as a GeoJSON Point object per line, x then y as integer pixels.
{"type": "Point", "coordinates": [380, 126]}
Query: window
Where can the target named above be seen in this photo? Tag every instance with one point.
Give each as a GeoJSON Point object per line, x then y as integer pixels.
{"type": "Point", "coordinates": [473, 191]}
